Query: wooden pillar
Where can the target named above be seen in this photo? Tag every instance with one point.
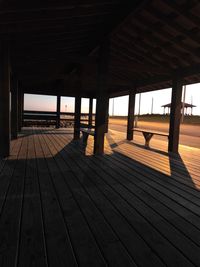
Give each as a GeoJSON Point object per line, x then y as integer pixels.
{"type": "Point", "coordinates": [22, 110]}
{"type": "Point", "coordinates": [131, 114]}
{"type": "Point", "coordinates": [14, 108]}
{"type": "Point", "coordinates": [90, 112]}
{"type": "Point", "coordinates": [58, 112]}
{"type": "Point", "coordinates": [4, 100]}
{"type": "Point", "coordinates": [175, 115]}
{"type": "Point", "coordinates": [77, 118]}
{"type": "Point", "coordinates": [19, 110]}
{"type": "Point", "coordinates": [101, 121]}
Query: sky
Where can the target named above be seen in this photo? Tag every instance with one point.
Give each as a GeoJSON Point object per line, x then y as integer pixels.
{"type": "Point", "coordinates": [160, 97]}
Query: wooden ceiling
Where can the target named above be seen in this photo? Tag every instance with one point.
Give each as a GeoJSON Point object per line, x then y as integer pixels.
{"type": "Point", "coordinates": [54, 44]}
{"type": "Point", "coordinates": [158, 42]}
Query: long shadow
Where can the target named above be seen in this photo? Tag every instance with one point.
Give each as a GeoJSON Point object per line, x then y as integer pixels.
{"type": "Point", "coordinates": [178, 167]}
{"type": "Point", "coordinates": [113, 145]}
{"type": "Point", "coordinates": [176, 164]}
{"type": "Point", "coordinates": [55, 202]}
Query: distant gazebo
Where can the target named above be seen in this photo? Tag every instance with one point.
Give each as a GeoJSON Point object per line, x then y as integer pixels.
{"type": "Point", "coordinates": [183, 105]}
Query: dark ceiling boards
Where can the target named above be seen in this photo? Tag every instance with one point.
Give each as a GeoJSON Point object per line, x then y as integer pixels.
{"type": "Point", "coordinates": [54, 44]}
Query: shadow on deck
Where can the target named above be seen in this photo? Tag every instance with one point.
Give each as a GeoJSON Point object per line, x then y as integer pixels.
{"type": "Point", "coordinates": [62, 206]}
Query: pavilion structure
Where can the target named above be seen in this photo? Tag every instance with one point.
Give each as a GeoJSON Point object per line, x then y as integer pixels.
{"type": "Point", "coordinates": [184, 106]}
{"type": "Point", "coordinates": [98, 50]}
{"type": "Point", "coordinates": [61, 205]}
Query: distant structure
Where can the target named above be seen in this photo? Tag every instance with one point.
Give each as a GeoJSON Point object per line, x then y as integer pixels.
{"type": "Point", "coordinates": [183, 105]}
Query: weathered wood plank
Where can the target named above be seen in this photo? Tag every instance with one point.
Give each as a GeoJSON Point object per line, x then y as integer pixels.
{"type": "Point", "coordinates": [32, 249]}
{"type": "Point", "coordinates": [10, 220]}
{"type": "Point", "coordinates": [125, 231]}
{"type": "Point", "coordinates": [59, 249]}
{"type": "Point", "coordinates": [97, 210]}
{"type": "Point", "coordinates": [86, 248]}
{"type": "Point", "coordinates": [140, 207]}
{"type": "Point", "coordinates": [104, 235]}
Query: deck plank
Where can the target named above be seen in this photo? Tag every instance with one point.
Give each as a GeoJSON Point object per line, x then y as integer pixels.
{"type": "Point", "coordinates": [145, 211]}
{"type": "Point", "coordinates": [87, 251]}
{"type": "Point", "coordinates": [62, 206]}
{"type": "Point", "coordinates": [10, 220]}
{"type": "Point", "coordinates": [32, 250]}
{"type": "Point", "coordinates": [59, 249]}
{"type": "Point", "coordinates": [109, 243]}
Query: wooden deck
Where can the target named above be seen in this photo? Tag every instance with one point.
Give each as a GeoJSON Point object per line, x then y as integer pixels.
{"type": "Point", "coordinates": [62, 206]}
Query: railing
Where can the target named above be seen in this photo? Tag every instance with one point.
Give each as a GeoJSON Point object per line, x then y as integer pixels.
{"type": "Point", "coordinates": [49, 118]}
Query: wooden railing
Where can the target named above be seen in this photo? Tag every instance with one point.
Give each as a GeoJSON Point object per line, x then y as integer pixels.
{"type": "Point", "coordinates": [49, 118]}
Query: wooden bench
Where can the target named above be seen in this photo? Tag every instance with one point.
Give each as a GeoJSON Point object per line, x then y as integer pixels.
{"type": "Point", "coordinates": [148, 134]}
{"type": "Point", "coordinates": [86, 132]}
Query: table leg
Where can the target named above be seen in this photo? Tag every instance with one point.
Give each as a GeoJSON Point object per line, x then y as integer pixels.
{"type": "Point", "coordinates": [147, 137]}
{"type": "Point", "coordinates": [85, 138]}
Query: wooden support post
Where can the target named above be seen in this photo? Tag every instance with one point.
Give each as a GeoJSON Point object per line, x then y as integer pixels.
{"type": "Point", "coordinates": [4, 100]}
{"type": "Point", "coordinates": [77, 118]}
{"type": "Point", "coordinates": [58, 112]}
{"type": "Point", "coordinates": [131, 114]}
{"type": "Point", "coordinates": [90, 112]}
{"type": "Point", "coordinates": [22, 110]}
{"type": "Point", "coordinates": [175, 116]}
{"type": "Point", "coordinates": [101, 123]}
{"type": "Point", "coordinates": [19, 110]}
{"type": "Point", "coordinates": [14, 108]}
{"type": "Point", "coordinates": [102, 98]}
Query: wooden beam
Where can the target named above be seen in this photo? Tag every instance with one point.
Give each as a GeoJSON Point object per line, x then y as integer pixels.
{"type": "Point", "coordinates": [20, 108]}
{"type": "Point", "coordinates": [102, 98]}
{"type": "Point", "coordinates": [170, 22]}
{"type": "Point", "coordinates": [58, 112]}
{"type": "Point", "coordinates": [135, 10]}
{"type": "Point", "coordinates": [90, 117]}
{"type": "Point", "coordinates": [131, 114]}
{"type": "Point", "coordinates": [175, 115]}
{"type": "Point", "coordinates": [101, 123]}
{"type": "Point", "coordinates": [77, 117]}
{"type": "Point", "coordinates": [4, 100]}
{"type": "Point", "coordinates": [14, 108]}
{"type": "Point", "coordinates": [37, 9]}
{"type": "Point", "coordinates": [159, 28]}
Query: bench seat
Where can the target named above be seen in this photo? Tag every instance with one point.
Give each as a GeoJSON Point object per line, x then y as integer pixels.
{"type": "Point", "coordinates": [148, 134]}
{"type": "Point", "coordinates": [86, 132]}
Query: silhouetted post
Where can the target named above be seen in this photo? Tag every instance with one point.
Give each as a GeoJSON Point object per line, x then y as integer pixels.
{"type": "Point", "coordinates": [22, 109]}
{"type": "Point", "coordinates": [183, 105]}
{"type": "Point", "coordinates": [131, 115]}
{"type": "Point", "coordinates": [14, 108]}
{"type": "Point", "coordinates": [90, 112]}
{"type": "Point", "coordinates": [101, 123]}
{"type": "Point", "coordinates": [19, 110]}
{"type": "Point", "coordinates": [77, 117]}
{"type": "Point", "coordinates": [58, 112]}
{"type": "Point", "coordinates": [4, 99]}
{"type": "Point", "coordinates": [175, 115]}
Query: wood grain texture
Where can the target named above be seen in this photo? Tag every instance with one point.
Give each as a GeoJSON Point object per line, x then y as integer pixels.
{"type": "Point", "coordinates": [63, 206]}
